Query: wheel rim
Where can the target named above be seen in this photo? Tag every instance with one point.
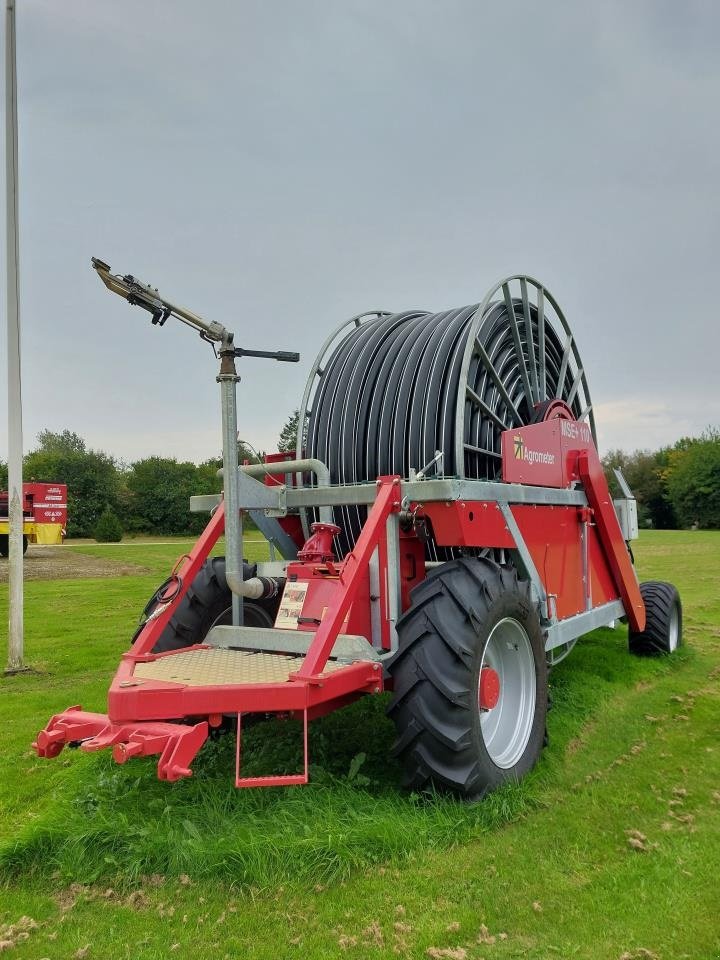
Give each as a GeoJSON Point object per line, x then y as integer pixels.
{"type": "Point", "coordinates": [673, 630]}
{"type": "Point", "coordinates": [506, 728]}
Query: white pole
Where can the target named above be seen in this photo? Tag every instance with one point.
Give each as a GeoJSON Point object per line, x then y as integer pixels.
{"type": "Point", "coordinates": [15, 513]}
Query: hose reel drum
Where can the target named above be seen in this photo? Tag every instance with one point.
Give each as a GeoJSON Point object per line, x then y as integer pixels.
{"type": "Point", "coordinates": [389, 390]}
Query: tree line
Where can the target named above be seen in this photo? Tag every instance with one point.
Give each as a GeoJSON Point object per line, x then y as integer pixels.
{"type": "Point", "coordinates": [148, 496]}
{"type": "Point", "coordinates": [675, 486]}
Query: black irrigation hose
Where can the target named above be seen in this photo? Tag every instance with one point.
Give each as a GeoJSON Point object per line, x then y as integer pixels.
{"type": "Point", "coordinates": [390, 393]}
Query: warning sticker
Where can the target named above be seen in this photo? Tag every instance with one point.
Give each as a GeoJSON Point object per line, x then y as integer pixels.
{"type": "Point", "coordinates": [291, 605]}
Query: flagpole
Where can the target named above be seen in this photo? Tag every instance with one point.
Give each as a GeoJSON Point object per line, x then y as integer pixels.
{"type": "Point", "coordinates": [15, 447]}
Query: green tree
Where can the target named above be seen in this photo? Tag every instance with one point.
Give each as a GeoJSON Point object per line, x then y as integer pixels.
{"type": "Point", "coordinates": [64, 442]}
{"type": "Point", "coordinates": [645, 472]}
{"type": "Point", "coordinates": [3, 475]}
{"type": "Point", "coordinates": [91, 476]}
{"type": "Point", "coordinates": [693, 480]}
{"type": "Point", "coordinates": [108, 529]}
{"type": "Point", "coordinates": [287, 442]}
{"type": "Point", "coordinates": [158, 495]}
{"type": "Point", "coordinates": [207, 477]}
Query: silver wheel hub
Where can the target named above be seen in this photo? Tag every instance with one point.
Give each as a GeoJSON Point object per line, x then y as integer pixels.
{"type": "Point", "coordinates": [673, 630]}
{"type": "Point", "coordinates": [506, 726]}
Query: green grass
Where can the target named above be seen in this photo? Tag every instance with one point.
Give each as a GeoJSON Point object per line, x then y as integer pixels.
{"type": "Point", "coordinates": [159, 555]}
{"type": "Point", "coordinates": [394, 873]}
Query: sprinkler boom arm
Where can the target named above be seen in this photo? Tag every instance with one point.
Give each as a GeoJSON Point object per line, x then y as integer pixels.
{"type": "Point", "coordinates": [143, 295]}
{"type": "Point", "coordinates": [148, 298]}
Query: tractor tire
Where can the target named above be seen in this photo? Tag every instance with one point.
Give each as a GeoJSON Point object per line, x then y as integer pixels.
{"type": "Point", "coordinates": [469, 615]}
{"type": "Point", "coordinates": [663, 620]}
{"type": "Point", "coordinates": [5, 545]}
{"type": "Point", "coordinates": [207, 604]}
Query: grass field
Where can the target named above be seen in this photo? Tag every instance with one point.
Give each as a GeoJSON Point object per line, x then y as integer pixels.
{"type": "Point", "coordinates": [610, 849]}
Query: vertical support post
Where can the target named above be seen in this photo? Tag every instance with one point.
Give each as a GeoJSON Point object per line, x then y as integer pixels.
{"type": "Point", "coordinates": [15, 442]}
{"type": "Point", "coordinates": [394, 599]}
{"type": "Point", "coordinates": [228, 378]}
{"type": "Point", "coordinates": [587, 587]}
{"type": "Point", "coordinates": [375, 600]}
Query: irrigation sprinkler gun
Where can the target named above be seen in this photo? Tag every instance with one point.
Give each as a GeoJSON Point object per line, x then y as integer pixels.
{"type": "Point", "coordinates": [447, 534]}
{"type": "Point", "coordinates": [148, 298]}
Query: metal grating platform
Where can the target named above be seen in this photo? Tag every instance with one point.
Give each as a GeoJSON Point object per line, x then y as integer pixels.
{"type": "Point", "coordinates": [209, 668]}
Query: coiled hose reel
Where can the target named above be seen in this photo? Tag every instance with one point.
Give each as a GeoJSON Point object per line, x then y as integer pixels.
{"type": "Point", "coordinates": [388, 390]}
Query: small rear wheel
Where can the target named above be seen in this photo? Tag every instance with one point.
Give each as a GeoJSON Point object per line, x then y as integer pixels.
{"type": "Point", "coordinates": [663, 620]}
{"type": "Point", "coordinates": [470, 680]}
{"type": "Point", "coordinates": [5, 544]}
{"type": "Point", "coordinates": [208, 604]}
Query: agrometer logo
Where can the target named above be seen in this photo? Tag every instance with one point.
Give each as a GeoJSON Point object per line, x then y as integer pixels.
{"type": "Point", "coordinates": [523, 452]}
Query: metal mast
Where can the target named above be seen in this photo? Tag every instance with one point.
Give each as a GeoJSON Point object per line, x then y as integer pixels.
{"type": "Point", "coordinates": [15, 513]}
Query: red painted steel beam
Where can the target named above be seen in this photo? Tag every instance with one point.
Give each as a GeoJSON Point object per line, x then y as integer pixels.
{"type": "Point", "coordinates": [596, 489]}
{"type": "Point", "coordinates": [352, 571]}
{"type": "Point", "coordinates": [159, 699]}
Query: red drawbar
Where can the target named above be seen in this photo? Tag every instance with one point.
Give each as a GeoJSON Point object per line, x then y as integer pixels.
{"type": "Point", "coordinates": [177, 743]}
{"type": "Point", "coordinates": [71, 726]}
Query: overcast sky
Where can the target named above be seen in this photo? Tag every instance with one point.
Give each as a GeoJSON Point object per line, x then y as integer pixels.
{"type": "Point", "coordinates": [281, 166]}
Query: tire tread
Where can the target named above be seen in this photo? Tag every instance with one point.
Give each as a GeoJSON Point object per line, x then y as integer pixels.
{"type": "Point", "coordinates": [433, 697]}
{"type": "Point", "coordinates": [661, 599]}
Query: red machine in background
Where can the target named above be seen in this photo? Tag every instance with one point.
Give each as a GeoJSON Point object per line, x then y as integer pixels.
{"type": "Point", "coordinates": [44, 514]}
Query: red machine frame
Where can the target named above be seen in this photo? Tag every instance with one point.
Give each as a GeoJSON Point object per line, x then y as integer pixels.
{"type": "Point", "coordinates": [574, 552]}
{"type": "Point", "coordinates": [44, 507]}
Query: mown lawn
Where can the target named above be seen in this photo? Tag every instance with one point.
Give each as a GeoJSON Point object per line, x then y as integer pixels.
{"type": "Point", "coordinates": [610, 848]}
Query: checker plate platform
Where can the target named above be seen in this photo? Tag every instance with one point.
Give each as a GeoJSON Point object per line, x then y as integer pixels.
{"type": "Point", "coordinates": [209, 668]}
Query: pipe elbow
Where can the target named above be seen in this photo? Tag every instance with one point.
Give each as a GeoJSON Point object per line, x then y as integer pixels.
{"type": "Point", "coordinates": [254, 588]}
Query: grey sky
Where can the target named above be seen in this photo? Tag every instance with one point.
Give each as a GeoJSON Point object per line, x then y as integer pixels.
{"type": "Point", "coordinates": [281, 166]}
